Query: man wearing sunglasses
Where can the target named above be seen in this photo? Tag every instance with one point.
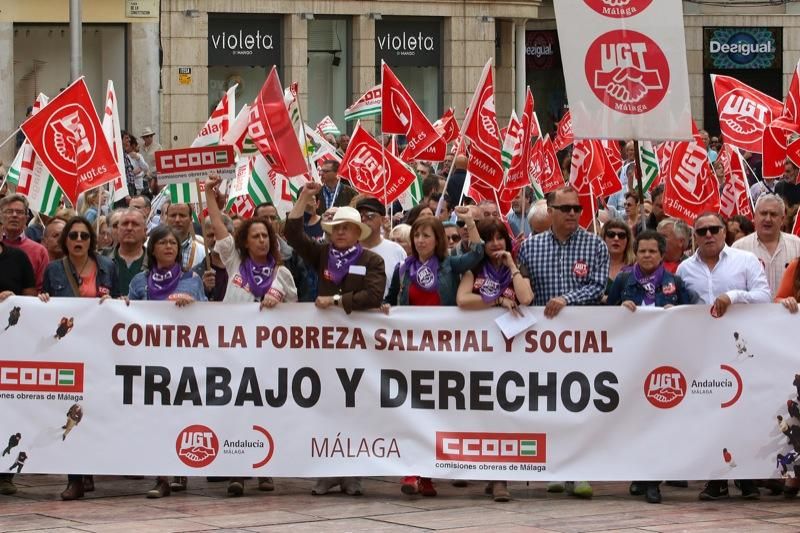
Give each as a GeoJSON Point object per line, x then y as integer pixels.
{"type": "Point", "coordinates": [722, 276]}
{"type": "Point", "coordinates": [568, 266]}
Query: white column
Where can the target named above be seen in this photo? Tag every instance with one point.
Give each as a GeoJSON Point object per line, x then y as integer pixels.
{"type": "Point", "coordinates": [7, 123]}
{"type": "Point", "coordinates": [144, 96]}
{"type": "Point", "coordinates": [519, 64]}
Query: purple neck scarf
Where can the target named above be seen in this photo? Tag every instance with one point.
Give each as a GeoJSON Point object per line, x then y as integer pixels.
{"type": "Point", "coordinates": [161, 282]}
{"type": "Point", "coordinates": [339, 262]}
{"type": "Point", "coordinates": [649, 282]}
{"type": "Point", "coordinates": [495, 282]}
{"type": "Point", "coordinates": [424, 275]}
{"type": "Point", "coordinates": [257, 276]}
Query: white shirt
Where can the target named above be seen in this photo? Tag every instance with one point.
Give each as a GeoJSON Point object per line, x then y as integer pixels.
{"type": "Point", "coordinates": [237, 290]}
{"type": "Point", "coordinates": [392, 254]}
{"type": "Point", "coordinates": [149, 153]}
{"type": "Point", "coordinates": [775, 264]}
{"type": "Point", "coordinates": [738, 274]}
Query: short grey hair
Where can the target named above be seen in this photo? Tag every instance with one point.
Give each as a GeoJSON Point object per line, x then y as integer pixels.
{"type": "Point", "coordinates": [770, 197]}
{"type": "Point", "coordinates": [11, 198]}
{"type": "Point", "coordinates": [225, 220]}
{"type": "Point", "coordinates": [679, 228]}
{"type": "Point", "coordinates": [537, 210]}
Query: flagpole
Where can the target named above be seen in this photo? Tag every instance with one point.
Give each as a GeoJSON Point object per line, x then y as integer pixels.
{"type": "Point", "coordinates": [201, 218]}
{"type": "Point", "coordinates": [638, 168]}
{"type": "Point", "coordinates": [13, 134]}
{"type": "Point", "coordinates": [303, 126]}
{"type": "Point", "coordinates": [449, 174]}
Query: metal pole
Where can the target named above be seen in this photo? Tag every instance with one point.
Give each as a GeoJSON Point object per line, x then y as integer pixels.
{"type": "Point", "coordinates": [75, 40]}
{"type": "Point", "coordinates": [520, 74]}
{"type": "Point", "coordinates": [638, 169]}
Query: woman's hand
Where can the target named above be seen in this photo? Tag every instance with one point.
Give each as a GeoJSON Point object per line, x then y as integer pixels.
{"type": "Point", "coordinates": [310, 190]}
{"type": "Point", "coordinates": [182, 300]}
{"type": "Point", "coordinates": [5, 294]}
{"type": "Point", "coordinates": [268, 301]}
{"type": "Point", "coordinates": [464, 213]}
{"type": "Point", "coordinates": [103, 298]}
{"type": "Point", "coordinates": [790, 303]}
{"type": "Point", "coordinates": [43, 296]}
{"type": "Point", "coordinates": [510, 305]}
{"type": "Point", "coordinates": [324, 302]}
{"type": "Point", "coordinates": [505, 258]}
{"type": "Point", "coordinates": [385, 309]}
{"type": "Point", "coordinates": [126, 300]}
{"type": "Point", "coordinates": [629, 305]}
{"type": "Point", "coordinates": [212, 182]}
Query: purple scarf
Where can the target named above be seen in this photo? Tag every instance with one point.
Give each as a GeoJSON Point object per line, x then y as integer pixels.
{"type": "Point", "coordinates": [495, 282]}
{"type": "Point", "coordinates": [161, 282]}
{"type": "Point", "coordinates": [339, 262]}
{"type": "Point", "coordinates": [258, 277]}
{"type": "Point", "coordinates": [424, 275]}
{"type": "Point", "coordinates": [649, 283]}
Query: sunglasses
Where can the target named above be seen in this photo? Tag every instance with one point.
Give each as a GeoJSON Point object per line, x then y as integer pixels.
{"type": "Point", "coordinates": [702, 232]}
{"type": "Point", "coordinates": [566, 208]}
{"type": "Point", "coordinates": [610, 234]}
{"type": "Point", "coordinates": [78, 235]}
{"type": "Point", "coordinates": [454, 238]}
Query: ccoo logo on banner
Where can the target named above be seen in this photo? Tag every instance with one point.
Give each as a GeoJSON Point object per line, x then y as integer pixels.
{"type": "Point", "coordinates": [634, 81]}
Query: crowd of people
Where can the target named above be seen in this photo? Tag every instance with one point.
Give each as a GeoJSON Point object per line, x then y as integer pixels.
{"type": "Point", "coordinates": [339, 248]}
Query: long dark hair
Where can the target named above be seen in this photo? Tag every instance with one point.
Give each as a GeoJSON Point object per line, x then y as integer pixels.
{"type": "Point", "coordinates": [240, 238]}
{"type": "Point", "coordinates": [62, 241]}
{"type": "Point", "coordinates": [158, 234]}
{"type": "Point", "coordinates": [438, 231]}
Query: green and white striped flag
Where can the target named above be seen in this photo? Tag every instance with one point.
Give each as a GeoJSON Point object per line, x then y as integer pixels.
{"type": "Point", "coordinates": [649, 162]}
{"type": "Point", "coordinates": [183, 193]}
{"type": "Point", "coordinates": [511, 140]}
{"type": "Point", "coordinates": [369, 104]}
{"type": "Point", "coordinates": [266, 185]}
{"type": "Point", "coordinates": [528, 447]}
{"type": "Point", "coordinates": [412, 196]}
{"type": "Point", "coordinates": [43, 193]}
{"type": "Point", "coordinates": [66, 377]}
{"type": "Point", "coordinates": [13, 172]}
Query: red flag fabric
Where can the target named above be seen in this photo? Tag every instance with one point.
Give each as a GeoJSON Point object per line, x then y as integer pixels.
{"type": "Point", "coordinates": [586, 169]}
{"type": "Point", "coordinates": [734, 197]}
{"type": "Point", "coordinates": [796, 227]}
{"type": "Point", "coordinates": [608, 182]}
{"type": "Point", "coordinates": [612, 154]}
{"type": "Point", "coordinates": [401, 115]}
{"type": "Point", "coordinates": [67, 136]}
{"type": "Point", "coordinates": [272, 132]}
{"type": "Point", "coordinates": [564, 136]}
{"type": "Point", "coordinates": [480, 127]}
{"type": "Point", "coordinates": [691, 186]}
{"type": "Point", "coordinates": [435, 152]}
{"type": "Point", "coordinates": [663, 153]}
{"type": "Point", "coordinates": [775, 146]}
{"type": "Point", "coordinates": [450, 126]}
{"type": "Point", "coordinates": [744, 112]}
{"type": "Point", "coordinates": [373, 170]}
{"type": "Point", "coordinates": [519, 173]}
{"type": "Point", "coordinates": [551, 178]}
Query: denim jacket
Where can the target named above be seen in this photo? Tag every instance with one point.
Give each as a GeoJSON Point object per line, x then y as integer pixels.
{"type": "Point", "coordinates": [672, 291]}
{"type": "Point", "coordinates": [190, 283]}
{"type": "Point", "coordinates": [56, 283]}
{"type": "Point", "coordinates": [450, 271]}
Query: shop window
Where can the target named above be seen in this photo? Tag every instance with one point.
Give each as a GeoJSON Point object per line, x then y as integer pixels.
{"type": "Point", "coordinates": [328, 68]}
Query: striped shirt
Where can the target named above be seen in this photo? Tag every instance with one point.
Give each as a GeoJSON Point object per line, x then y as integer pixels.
{"type": "Point", "coordinates": [576, 269]}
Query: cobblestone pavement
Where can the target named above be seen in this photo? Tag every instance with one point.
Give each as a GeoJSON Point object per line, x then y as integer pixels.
{"type": "Point", "coordinates": [119, 505]}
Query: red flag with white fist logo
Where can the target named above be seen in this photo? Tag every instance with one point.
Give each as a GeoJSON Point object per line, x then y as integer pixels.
{"type": "Point", "coordinates": [68, 138]}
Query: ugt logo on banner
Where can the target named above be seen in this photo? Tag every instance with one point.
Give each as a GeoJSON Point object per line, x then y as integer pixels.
{"type": "Point", "coordinates": [618, 8]}
{"type": "Point", "coordinates": [67, 136]}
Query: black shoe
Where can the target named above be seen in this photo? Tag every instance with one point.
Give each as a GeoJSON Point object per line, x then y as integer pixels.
{"type": "Point", "coordinates": [637, 488]}
{"type": "Point", "coordinates": [714, 490]}
{"type": "Point", "coordinates": [652, 493]}
{"type": "Point", "coordinates": [749, 490]}
{"type": "Point", "coordinates": [680, 484]}
{"type": "Point", "coordinates": [774, 486]}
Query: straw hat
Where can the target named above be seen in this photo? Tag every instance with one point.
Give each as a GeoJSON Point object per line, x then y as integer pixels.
{"type": "Point", "coordinates": [147, 132]}
{"type": "Point", "coordinates": [347, 214]}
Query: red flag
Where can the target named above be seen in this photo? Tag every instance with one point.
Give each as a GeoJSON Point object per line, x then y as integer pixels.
{"type": "Point", "coordinates": [67, 136]}
{"type": "Point", "coordinates": [796, 227]}
{"type": "Point", "coordinates": [519, 173]}
{"type": "Point", "coordinates": [480, 127]}
{"type": "Point", "coordinates": [663, 153]}
{"type": "Point", "coordinates": [791, 105]}
{"type": "Point", "coordinates": [435, 152]}
{"type": "Point", "coordinates": [744, 112]}
{"type": "Point", "coordinates": [552, 178]}
{"type": "Point", "coordinates": [613, 158]}
{"type": "Point", "coordinates": [373, 170]}
{"type": "Point", "coordinates": [608, 182]}
{"type": "Point", "coordinates": [691, 186]}
{"type": "Point", "coordinates": [272, 132]}
{"type": "Point", "coordinates": [734, 197]}
{"type": "Point", "coordinates": [586, 169]}
{"type": "Point", "coordinates": [401, 115]}
{"type": "Point", "coordinates": [775, 146]}
{"type": "Point", "coordinates": [449, 126]}
{"type": "Point", "coordinates": [564, 135]}
{"type": "Point", "coordinates": [243, 206]}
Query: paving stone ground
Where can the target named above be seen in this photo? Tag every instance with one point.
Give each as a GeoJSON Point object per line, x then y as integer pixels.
{"type": "Point", "coordinates": [119, 505]}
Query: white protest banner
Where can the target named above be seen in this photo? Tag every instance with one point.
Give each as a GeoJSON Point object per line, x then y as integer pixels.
{"type": "Point", "coordinates": [625, 68]}
{"type": "Point", "coordinates": [216, 389]}
{"type": "Point", "coordinates": [185, 165]}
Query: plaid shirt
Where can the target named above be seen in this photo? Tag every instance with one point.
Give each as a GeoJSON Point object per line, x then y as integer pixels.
{"type": "Point", "coordinates": [576, 269]}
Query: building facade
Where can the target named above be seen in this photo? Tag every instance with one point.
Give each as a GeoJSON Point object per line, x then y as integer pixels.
{"type": "Point", "coordinates": [120, 41]}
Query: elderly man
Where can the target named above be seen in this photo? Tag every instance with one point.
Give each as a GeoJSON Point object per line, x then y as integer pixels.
{"type": "Point", "coordinates": [334, 192]}
{"type": "Point", "coordinates": [539, 217]}
{"type": "Point", "coordinates": [51, 236]}
{"type": "Point", "coordinates": [517, 219]}
{"type": "Point", "coordinates": [678, 235]}
{"type": "Point", "coordinates": [568, 266]}
{"type": "Point", "coordinates": [350, 277]}
{"type": "Point", "coordinates": [149, 147]}
{"type": "Point", "coordinates": [179, 217]}
{"type": "Point", "coordinates": [774, 248]}
{"type": "Point", "coordinates": [373, 214]}
{"type": "Point", "coordinates": [14, 218]}
{"type": "Point", "coordinates": [129, 254]}
{"type": "Point", "coordinates": [722, 276]}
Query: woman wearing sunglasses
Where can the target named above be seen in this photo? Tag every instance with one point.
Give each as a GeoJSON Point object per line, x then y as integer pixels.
{"type": "Point", "coordinates": [617, 236]}
{"type": "Point", "coordinates": [430, 276]}
{"type": "Point", "coordinates": [81, 273]}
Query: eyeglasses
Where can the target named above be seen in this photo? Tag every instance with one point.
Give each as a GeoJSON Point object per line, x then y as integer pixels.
{"type": "Point", "coordinates": [610, 234]}
{"type": "Point", "coordinates": [369, 216]}
{"type": "Point", "coordinates": [454, 238]}
{"type": "Point", "coordinates": [78, 235]}
{"type": "Point", "coordinates": [702, 232]}
{"type": "Point", "coordinates": [13, 212]}
{"type": "Point", "coordinates": [566, 208]}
